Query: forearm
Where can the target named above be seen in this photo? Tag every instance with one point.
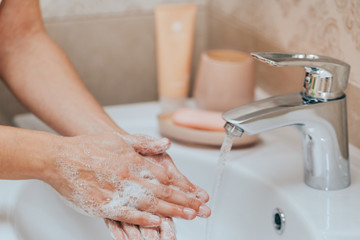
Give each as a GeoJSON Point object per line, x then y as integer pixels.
{"type": "Point", "coordinates": [26, 154]}
{"type": "Point", "coordinates": [41, 76]}
{"type": "Point", "coordinates": [43, 79]}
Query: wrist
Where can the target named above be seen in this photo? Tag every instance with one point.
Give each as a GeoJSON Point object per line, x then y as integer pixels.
{"type": "Point", "coordinates": [46, 167]}
{"type": "Point", "coordinates": [25, 154]}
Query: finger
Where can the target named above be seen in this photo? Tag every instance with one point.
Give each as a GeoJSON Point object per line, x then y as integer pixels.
{"type": "Point", "coordinates": [132, 231]}
{"type": "Point", "coordinates": [172, 210]}
{"type": "Point", "coordinates": [171, 195]}
{"type": "Point", "coordinates": [160, 207]}
{"type": "Point", "coordinates": [147, 145]}
{"type": "Point", "coordinates": [132, 216]}
{"type": "Point", "coordinates": [150, 233]}
{"type": "Point", "coordinates": [115, 229]}
{"type": "Point", "coordinates": [167, 229]}
{"type": "Point", "coordinates": [182, 182]}
{"type": "Point", "coordinates": [201, 194]}
{"type": "Point", "coordinates": [172, 176]}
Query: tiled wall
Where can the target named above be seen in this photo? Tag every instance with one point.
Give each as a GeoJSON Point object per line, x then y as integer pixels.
{"type": "Point", "coordinates": [325, 27]}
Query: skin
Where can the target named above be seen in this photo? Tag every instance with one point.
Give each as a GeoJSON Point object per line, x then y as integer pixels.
{"type": "Point", "coordinates": [41, 76]}
{"type": "Point", "coordinates": [123, 231]}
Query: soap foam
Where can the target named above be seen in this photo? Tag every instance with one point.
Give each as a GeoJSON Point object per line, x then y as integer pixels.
{"type": "Point", "coordinates": [128, 197]}
{"type": "Point", "coordinates": [129, 194]}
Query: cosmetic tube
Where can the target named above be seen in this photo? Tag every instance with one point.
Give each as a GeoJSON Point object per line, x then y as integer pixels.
{"type": "Point", "coordinates": [175, 26]}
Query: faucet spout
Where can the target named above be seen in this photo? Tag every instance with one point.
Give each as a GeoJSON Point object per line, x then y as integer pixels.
{"type": "Point", "coordinates": [321, 124]}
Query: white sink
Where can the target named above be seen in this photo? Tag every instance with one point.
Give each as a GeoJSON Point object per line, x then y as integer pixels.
{"type": "Point", "coordinates": [257, 180]}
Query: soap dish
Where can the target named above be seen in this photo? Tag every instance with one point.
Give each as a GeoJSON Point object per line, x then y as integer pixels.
{"type": "Point", "coordinates": [195, 136]}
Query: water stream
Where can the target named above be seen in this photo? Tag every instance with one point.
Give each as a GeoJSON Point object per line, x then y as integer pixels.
{"type": "Point", "coordinates": [224, 152]}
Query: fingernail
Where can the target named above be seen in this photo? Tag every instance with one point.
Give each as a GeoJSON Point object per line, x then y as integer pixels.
{"type": "Point", "coordinates": [155, 220]}
{"type": "Point", "coordinates": [204, 211]}
{"type": "Point", "coordinates": [203, 196]}
{"type": "Point", "coordinates": [164, 142]}
{"type": "Point", "coordinates": [189, 213]}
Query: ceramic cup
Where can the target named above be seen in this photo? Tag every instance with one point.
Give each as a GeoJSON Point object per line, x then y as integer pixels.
{"type": "Point", "coordinates": [225, 79]}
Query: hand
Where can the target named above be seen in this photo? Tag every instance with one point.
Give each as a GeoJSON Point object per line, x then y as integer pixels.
{"type": "Point", "coordinates": [155, 149]}
{"type": "Point", "coordinates": [181, 188]}
{"type": "Point", "coordinates": [146, 145]}
{"type": "Point", "coordinates": [123, 231]}
{"type": "Point", "coordinates": [103, 176]}
{"type": "Point", "coordinates": [120, 230]}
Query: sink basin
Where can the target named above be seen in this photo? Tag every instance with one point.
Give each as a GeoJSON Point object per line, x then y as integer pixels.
{"type": "Point", "coordinates": [256, 181]}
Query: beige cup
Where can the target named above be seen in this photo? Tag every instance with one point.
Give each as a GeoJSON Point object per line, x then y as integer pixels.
{"type": "Point", "coordinates": [225, 79]}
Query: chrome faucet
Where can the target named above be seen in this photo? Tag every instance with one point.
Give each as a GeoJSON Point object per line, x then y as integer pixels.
{"type": "Point", "coordinates": [318, 112]}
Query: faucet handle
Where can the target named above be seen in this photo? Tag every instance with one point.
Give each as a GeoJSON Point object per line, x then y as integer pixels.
{"type": "Point", "coordinates": [326, 78]}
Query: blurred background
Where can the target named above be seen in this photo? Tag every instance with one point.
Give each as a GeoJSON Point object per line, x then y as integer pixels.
{"type": "Point", "coordinates": [112, 43]}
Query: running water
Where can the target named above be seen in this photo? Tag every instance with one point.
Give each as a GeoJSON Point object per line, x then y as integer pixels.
{"type": "Point", "coordinates": [224, 152]}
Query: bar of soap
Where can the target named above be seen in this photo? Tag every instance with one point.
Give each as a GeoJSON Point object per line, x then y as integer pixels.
{"type": "Point", "coordinates": [199, 119]}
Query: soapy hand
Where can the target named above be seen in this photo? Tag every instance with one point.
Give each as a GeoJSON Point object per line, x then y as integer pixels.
{"type": "Point", "coordinates": [123, 231]}
{"type": "Point", "coordinates": [119, 231]}
{"type": "Point", "coordinates": [155, 151]}
{"type": "Point", "coordinates": [102, 175]}
{"type": "Point", "coordinates": [166, 231]}
{"type": "Point", "coordinates": [147, 145]}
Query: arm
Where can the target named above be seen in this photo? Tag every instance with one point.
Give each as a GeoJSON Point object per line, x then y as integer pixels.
{"type": "Point", "coordinates": [100, 175]}
{"type": "Point", "coordinates": [41, 76]}
{"type": "Point", "coordinates": [31, 152]}
{"type": "Point", "coordinates": [24, 153]}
